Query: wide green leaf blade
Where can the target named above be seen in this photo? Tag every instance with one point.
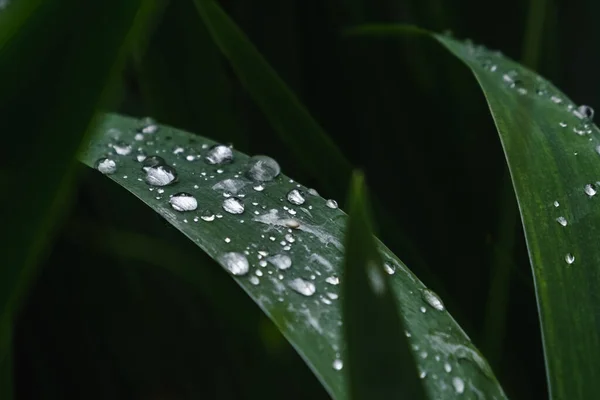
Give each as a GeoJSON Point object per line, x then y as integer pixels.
{"type": "Point", "coordinates": [380, 363]}
{"type": "Point", "coordinates": [552, 153]}
{"type": "Point", "coordinates": [302, 299]}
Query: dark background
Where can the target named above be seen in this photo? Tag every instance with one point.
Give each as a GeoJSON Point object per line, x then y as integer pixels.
{"type": "Point", "coordinates": [106, 320]}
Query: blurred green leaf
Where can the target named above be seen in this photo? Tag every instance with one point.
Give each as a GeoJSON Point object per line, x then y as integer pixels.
{"type": "Point", "coordinates": [289, 118]}
{"type": "Point", "coordinates": [380, 362]}
{"type": "Point", "coordinates": [55, 61]}
{"type": "Point", "coordinates": [301, 299]}
{"type": "Point", "coordinates": [552, 153]}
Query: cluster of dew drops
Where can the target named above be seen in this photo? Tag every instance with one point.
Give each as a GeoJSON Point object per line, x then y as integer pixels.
{"type": "Point", "coordinates": [260, 170]}
{"type": "Point", "coordinates": [578, 119]}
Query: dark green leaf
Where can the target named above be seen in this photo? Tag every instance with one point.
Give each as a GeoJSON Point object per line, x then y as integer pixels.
{"type": "Point", "coordinates": [552, 155]}
{"type": "Point", "coordinates": [302, 300]}
{"type": "Point", "coordinates": [380, 362]}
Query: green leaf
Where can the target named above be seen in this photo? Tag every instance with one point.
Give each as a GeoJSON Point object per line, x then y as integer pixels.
{"type": "Point", "coordinates": [303, 300]}
{"type": "Point", "coordinates": [552, 154]}
{"type": "Point", "coordinates": [289, 118]}
{"type": "Point", "coordinates": [380, 362]}
{"type": "Point", "coordinates": [55, 61]}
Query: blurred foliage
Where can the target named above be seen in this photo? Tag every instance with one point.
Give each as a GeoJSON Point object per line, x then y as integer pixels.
{"type": "Point", "coordinates": [102, 321]}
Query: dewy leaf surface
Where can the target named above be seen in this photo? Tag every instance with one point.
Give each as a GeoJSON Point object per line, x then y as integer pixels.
{"type": "Point", "coordinates": [268, 227]}
{"type": "Point", "coordinates": [553, 154]}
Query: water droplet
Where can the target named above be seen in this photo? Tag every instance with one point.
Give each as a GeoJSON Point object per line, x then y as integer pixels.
{"type": "Point", "coordinates": [233, 205]}
{"type": "Point", "coordinates": [333, 280]}
{"type": "Point", "coordinates": [183, 202]}
{"type": "Point", "coordinates": [259, 188]}
{"type": "Point", "coordinates": [152, 161]}
{"type": "Point", "coordinates": [423, 374]}
{"type": "Point", "coordinates": [106, 166]}
{"type": "Point", "coordinates": [122, 148]}
{"type": "Point", "coordinates": [589, 190]}
{"type": "Point", "coordinates": [262, 169]}
{"type": "Point", "coordinates": [291, 223]}
{"type": "Point", "coordinates": [459, 385]}
{"type": "Point", "coordinates": [236, 263]}
{"type": "Point", "coordinates": [562, 124]}
{"type": "Point", "coordinates": [338, 364]}
{"type": "Point", "coordinates": [254, 280]}
{"type": "Point", "coordinates": [556, 204]}
{"type": "Point", "coordinates": [207, 216]}
{"type": "Point", "coordinates": [290, 238]}
{"type": "Point", "coordinates": [281, 261]}
{"type": "Point", "coordinates": [331, 203]}
{"type": "Point", "coordinates": [227, 240]}
{"type": "Point", "coordinates": [432, 299]}
{"type": "Point", "coordinates": [148, 125]}
{"type": "Point", "coordinates": [295, 197]}
{"type": "Point", "coordinates": [570, 258]}
{"type": "Point", "coordinates": [423, 309]}
{"type": "Point", "coordinates": [447, 367]}
{"type": "Point", "coordinates": [219, 154]}
{"type": "Point", "coordinates": [140, 157]}
{"type": "Point", "coordinates": [389, 268]}
{"type": "Point", "coordinates": [161, 175]}
{"type": "Point", "coordinates": [562, 221]}
{"type": "Point", "coordinates": [230, 186]}
{"type": "Point", "coordinates": [584, 112]}
{"type": "Point", "coordinates": [305, 288]}
{"type": "Point", "coordinates": [313, 192]}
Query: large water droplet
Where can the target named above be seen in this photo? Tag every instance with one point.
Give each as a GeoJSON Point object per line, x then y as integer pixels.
{"type": "Point", "coordinates": [152, 161]}
{"type": "Point", "coordinates": [183, 202]}
{"type": "Point", "coordinates": [432, 299]}
{"type": "Point", "coordinates": [236, 263]}
{"type": "Point", "coordinates": [106, 166]}
{"type": "Point", "coordinates": [584, 112]}
{"type": "Point", "coordinates": [589, 190]}
{"type": "Point", "coordinates": [161, 175]}
{"type": "Point", "coordinates": [233, 205]}
{"type": "Point", "coordinates": [122, 148]}
{"type": "Point", "coordinates": [296, 197]}
{"type": "Point", "coordinates": [262, 169]}
{"type": "Point", "coordinates": [459, 385]}
{"type": "Point", "coordinates": [219, 154]}
{"type": "Point", "coordinates": [331, 203]}
{"type": "Point", "coordinates": [338, 364]}
{"type": "Point", "coordinates": [281, 261]}
{"type": "Point", "coordinates": [570, 258]}
{"type": "Point", "coordinates": [562, 221]}
{"type": "Point", "coordinates": [303, 287]}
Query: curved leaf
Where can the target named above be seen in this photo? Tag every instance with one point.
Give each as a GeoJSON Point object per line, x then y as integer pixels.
{"type": "Point", "coordinates": [302, 300]}
{"type": "Point", "coordinates": [552, 154]}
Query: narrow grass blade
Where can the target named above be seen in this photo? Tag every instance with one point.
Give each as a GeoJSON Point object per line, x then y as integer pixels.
{"type": "Point", "coordinates": [55, 59]}
{"type": "Point", "coordinates": [551, 146]}
{"type": "Point", "coordinates": [285, 249]}
{"type": "Point", "coordinates": [283, 109]}
{"type": "Point", "coordinates": [380, 363]}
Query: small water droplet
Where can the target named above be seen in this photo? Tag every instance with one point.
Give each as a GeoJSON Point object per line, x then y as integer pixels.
{"type": "Point", "coordinates": [122, 148]}
{"type": "Point", "coordinates": [556, 204]}
{"type": "Point", "coordinates": [292, 223]}
{"type": "Point", "coordinates": [281, 261]}
{"type": "Point", "coordinates": [562, 221]}
{"type": "Point", "coordinates": [140, 157]}
{"type": "Point", "coordinates": [570, 258]}
{"type": "Point", "coordinates": [207, 216]}
{"type": "Point", "coordinates": [290, 238]}
{"type": "Point", "coordinates": [338, 364]}
{"type": "Point", "coordinates": [305, 288]}
{"type": "Point", "coordinates": [389, 268]}
{"type": "Point", "coordinates": [233, 205]}
{"type": "Point", "coordinates": [584, 112]}
{"type": "Point", "coordinates": [562, 124]}
{"type": "Point", "coordinates": [259, 188]}
{"type": "Point", "coordinates": [459, 385]}
{"type": "Point", "coordinates": [161, 175]}
{"type": "Point", "coordinates": [106, 166]}
{"type": "Point", "coordinates": [589, 190]}
{"type": "Point", "coordinates": [183, 202]}
{"type": "Point", "coordinates": [423, 374]}
{"type": "Point", "coordinates": [262, 168]}
{"type": "Point", "coordinates": [423, 309]}
{"type": "Point", "coordinates": [447, 367]}
{"type": "Point", "coordinates": [331, 203]}
{"type": "Point", "coordinates": [148, 125]}
{"type": "Point", "coordinates": [254, 280]}
{"type": "Point", "coordinates": [227, 240]}
{"type": "Point", "coordinates": [432, 299]}
{"type": "Point", "coordinates": [296, 197]}
{"type": "Point", "coordinates": [219, 154]}
{"type": "Point", "coordinates": [235, 263]}
{"type": "Point", "coordinates": [333, 280]}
